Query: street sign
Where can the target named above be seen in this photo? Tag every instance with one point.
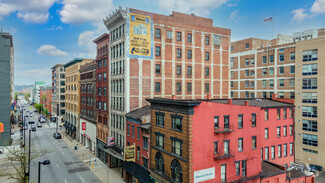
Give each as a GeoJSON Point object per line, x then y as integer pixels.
{"type": "Point", "coordinates": [83, 125]}
{"type": "Point", "coordinates": [1, 127]}
{"type": "Point", "coordinates": [110, 141]}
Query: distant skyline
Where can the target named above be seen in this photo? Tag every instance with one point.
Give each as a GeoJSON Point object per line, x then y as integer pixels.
{"type": "Point", "coordinates": [47, 32]}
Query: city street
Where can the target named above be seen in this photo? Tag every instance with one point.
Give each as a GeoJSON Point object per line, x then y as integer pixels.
{"type": "Point", "coordinates": [64, 165]}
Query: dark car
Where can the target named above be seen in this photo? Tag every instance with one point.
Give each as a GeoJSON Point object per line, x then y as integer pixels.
{"type": "Point", "coordinates": [33, 127]}
{"type": "Point", "coordinates": [39, 124]}
{"type": "Point", "coordinates": [31, 122]}
{"type": "Point", "coordinates": [35, 111]}
{"type": "Point", "coordinates": [26, 116]}
{"type": "Point", "coordinates": [57, 135]}
{"type": "Point", "coordinates": [315, 168]}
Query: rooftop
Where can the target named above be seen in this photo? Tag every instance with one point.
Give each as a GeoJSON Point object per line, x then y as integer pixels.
{"type": "Point", "coordinates": [72, 62]}
{"type": "Point", "coordinates": [139, 113]}
{"type": "Point", "coordinates": [271, 169]}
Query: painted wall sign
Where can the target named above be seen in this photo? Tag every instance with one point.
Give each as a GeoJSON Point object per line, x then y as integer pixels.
{"type": "Point", "coordinates": [129, 153]}
{"type": "Point", "coordinates": [205, 174]}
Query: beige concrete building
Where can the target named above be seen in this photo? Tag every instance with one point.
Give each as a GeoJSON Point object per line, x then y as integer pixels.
{"type": "Point", "coordinates": [72, 95]}
{"type": "Point", "coordinates": [58, 92]}
{"type": "Point", "coordinates": [259, 68]}
{"type": "Point", "coordinates": [310, 100]}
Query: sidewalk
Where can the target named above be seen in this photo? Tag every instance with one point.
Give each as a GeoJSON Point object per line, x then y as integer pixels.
{"type": "Point", "coordinates": [96, 165]}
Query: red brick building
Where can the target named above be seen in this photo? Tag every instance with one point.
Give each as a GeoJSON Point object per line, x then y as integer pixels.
{"type": "Point", "coordinates": [102, 99]}
{"type": "Point", "coordinates": [220, 140]}
{"type": "Point", "coordinates": [138, 133]}
{"type": "Point", "coordinates": [46, 99]}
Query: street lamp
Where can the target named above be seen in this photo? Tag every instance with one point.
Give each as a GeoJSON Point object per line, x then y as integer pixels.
{"type": "Point", "coordinates": [45, 162]}
{"type": "Point", "coordinates": [30, 136]}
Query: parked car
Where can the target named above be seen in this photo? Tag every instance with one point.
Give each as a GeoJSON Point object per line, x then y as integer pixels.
{"type": "Point", "coordinates": [35, 111]}
{"type": "Point", "coordinates": [315, 168]}
{"type": "Point", "coordinates": [42, 120]}
{"type": "Point", "coordinates": [31, 122]}
{"type": "Point", "coordinates": [57, 135]}
{"type": "Point", "coordinates": [39, 125]}
{"type": "Point", "coordinates": [26, 116]}
{"type": "Point", "coordinates": [33, 127]}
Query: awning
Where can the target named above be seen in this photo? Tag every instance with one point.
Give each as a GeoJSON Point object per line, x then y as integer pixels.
{"type": "Point", "coordinates": [136, 170]}
{"type": "Point", "coordinates": [115, 154]}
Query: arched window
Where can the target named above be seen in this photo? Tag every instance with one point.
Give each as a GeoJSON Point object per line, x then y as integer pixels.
{"type": "Point", "coordinates": [176, 170]}
{"type": "Point", "coordinates": [159, 162]}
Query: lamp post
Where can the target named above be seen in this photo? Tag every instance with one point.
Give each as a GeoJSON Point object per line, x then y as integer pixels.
{"type": "Point", "coordinates": [45, 162]}
{"type": "Point", "coordinates": [29, 144]}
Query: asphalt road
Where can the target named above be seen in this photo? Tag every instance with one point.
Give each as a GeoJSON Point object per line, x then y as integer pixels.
{"type": "Point", "coordinates": [65, 166]}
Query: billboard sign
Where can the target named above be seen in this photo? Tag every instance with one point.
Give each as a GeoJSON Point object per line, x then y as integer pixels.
{"type": "Point", "coordinates": [204, 175]}
{"type": "Point", "coordinates": [140, 28]}
{"type": "Point", "coordinates": [110, 141]}
{"type": "Point", "coordinates": [129, 153]}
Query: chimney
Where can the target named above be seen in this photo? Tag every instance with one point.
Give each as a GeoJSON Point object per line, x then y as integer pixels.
{"type": "Point", "coordinates": [229, 101]}
{"type": "Point", "coordinates": [208, 97]}
{"type": "Point", "coordinates": [246, 102]}
{"type": "Point", "coordinates": [173, 97]}
{"type": "Point", "coordinates": [273, 96]}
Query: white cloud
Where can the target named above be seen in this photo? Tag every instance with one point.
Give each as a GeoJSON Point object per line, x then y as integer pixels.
{"type": "Point", "coordinates": [35, 11]}
{"type": "Point", "coordinates": [231, 4]}
{"type": "Point", "coordinates": [202, 7]}
{"type": "Point", "coordinates": [318, 7]}
{"type": "Point", "coordinates": [299, 15]}
{"type": "Point", "coordinates": [34, 74]}
{"type": "Point", "coordinates": [53, 28]}
{"type": "Point", "coordinates": [51, 51]}
{"type": "Point", "coordinates": [81, 11]}
{"type": "Point", "coordinates": [86, 40]}
{"type": "Point", "coordinates": [233, 15]}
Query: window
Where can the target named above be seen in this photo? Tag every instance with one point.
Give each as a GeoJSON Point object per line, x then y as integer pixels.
{"type": "Point", "coordinates": [309, 83]}
{"type": "Point", "coordinates": [252, 61]}
{"type": "Point", "coordinates": [309, 111]}
{"type": "Point", "coordinates": [232, 62]}
{"type": "Point", "coordinates": [247, 45]}
{"type": "Point", "coordinates": [240, 121]}
{"type": "Point", "coordinates": [99, 91]}
{"type": "Point", "coordinates": [216, 122]}
{"type": "Point", "coordinates": [178, 70]}
{"type": "Point", "coordinates": [272, 152]}
{"type": "Point", "coordinates": [252, 73]}
{"type": "Point", "coordinates": [279, 151]}
{"type": "Point", "coordinates": [308, 139]}
{"type": "Point", "coordinates": [207, 40]}
{"type": "Point", "coordinates": [189, 54]}
{"type": "Point", "coordinates": [159, 161]}
{"type": "Point", "coordinates": [138, 153]}
{"type": "Point", "coordinates": [157, 33]}
{"type": "Point", "coordinates": [177, 122]}
{"type": "Point", "coordinates": [231, 84]}
{"type": "Point", "coordinates": [189, 87]}
{"type": "Point", "coordinates": [281, 58]}
{"type": "Point", "coordinates": [246, 72]}
{"type": "Point", "coordinates": [266, 114]}
{"type": "Point", "coordinates": [158, 51]}
{"type": "Point", "coordinates": [223, 173]}
{"type": "Point", "coordinates": [292, 56]}
{"type": "Point", "coordinates": [177, 147]}
{"type": "Point", "coordinates": [292, 82]}
{"type": "Point", "coordinates": [157, 68]}
{"type": "Point", "coordinates": [189, 70]}
{"type": "Point", "coordinates": [247, 62]}
{"type": "Point", "coordinates": [231, 74]}
{"type": "Point", "coordinates": [207, 71]}
{"type": "Point", "coordinates": [145, 162]}
{"type": "Point", "coordinates": [284, 113]}
{"type": "Point", "coordinates": [285, 131]}
{"type": "Point", "coordinates": [215, 147]}
{"type": "Point", "coordinates": [264, 94]}
{"type": "Point", "coordinates": [240, 144]}
{"type": "Point", "coordinates": [266, 153]}
{"type": "Point", "coordinates": [176, 171]}
{"type": "Point", "coordinates": [178, 36]}
{"type": "Point", "coordinates": [291, 149]}
{"type": "Point", "coordinates": [246, 84]}
{"type": "Point", "coordinates": [266, 131]}
{"type": "Point", "coordinates": [179, 53]}
{"type": "Point", "coordinates": [206, 87]}
{"type": "Point", "coordinates": [160, 119]}
{"type": "Point", "coordinates": [292, 69]}
{"type": "Point", "coordinates": [278, 131]}
{"type": "Point", "coordinates": [291, 113]}
{"type": "Point", "coordinates": [309, 97]}
{"type": "Point", "coordinates": [252, 85]}
{"type": "Point", "coordinates": [133, 132]}
{"type": "Point", "coordinates": [281, 82]}
{"type": "Point", "coordinates": [309, 55]}
{"type": "Point", "coordinates": [271, 83]}
{"type": "Point", "coordinates": [157, 87]}
{"type": "Point", "coordinates": [145, 143]}
{"type": "Point", "coordinates": [281, 70]}
{"type": "Point", "coordinates": [169, 35]}
{"type": "Point", "coordinates": [216, 41]}
{"type": "Point", "coordinates": [253, 142]}
{"type": "Point", "coordinates": [99, 77]}
{"type": "Point", "coordinates": [310, 151]}
{"type": "Point", "coordinates": [99, 63]}
{"type": "Point", "coordinates": [278, 113]}
{"type": "Point", "coordinates": [309, 125]}
{"type": "Point", "coordinates": [226, 122]}
{"type": "Point", "coordinates": [281, 50]}
{"type": "Point", "coordinates": [160, 140]}
{"type": "Point", "coordinates": [247, 93]}
{"type": "Point", "coordinates": [178, 87]}
{"type": "Point", "coordinates": [237, 165]}
{"type": "Point", "coordinates": [271, 58]}
{"type": "Point", "coordinates": [264, 71]}
{"type": "Point", "coordinates": [271, 72]}
{"type": "Point", "coordinates": [189, 38]}
{"type": "Point", "coordinates": [207, 56]}
{"type": "Point", "coordinates": [264, 84]}
{"type": "Point", "coordinates": [309, 69]}
{"type": "Point", "coordinates": [244, 168]}
{"type": "Point", "coordinates": [264, 60]}
{"type": "Point", "coordinates": [226, 147]}
{"type": "Point", "coordinates": [291, 130]}
{"type": "Point", "coordinates": [285, 150]}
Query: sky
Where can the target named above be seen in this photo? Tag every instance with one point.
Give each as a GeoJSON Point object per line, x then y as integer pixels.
{"type": "Point", "coordinates": [48, 32]}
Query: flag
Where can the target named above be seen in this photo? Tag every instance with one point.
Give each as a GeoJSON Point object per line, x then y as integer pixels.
{"type": "Point", "coordinates": [268, 19]}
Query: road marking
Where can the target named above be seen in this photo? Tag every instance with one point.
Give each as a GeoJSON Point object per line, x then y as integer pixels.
{"type": "Point", "coordinates": [51, 155]}
{"type": "Point", "coordinates": [57, 165]}
{"type": "Point", "coordinates": [65, 181]}
{"type": "Point", "coordinates": [43, 169]}
{"type": "Point", "coordinates": [82, 179]}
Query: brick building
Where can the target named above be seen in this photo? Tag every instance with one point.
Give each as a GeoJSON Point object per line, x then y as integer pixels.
{"type": "Point", "coordinates": [46, 99]}
{"type": "Point", "coordinates": [88, 116]}
{"type": "Point", "coordinates": [102, 99]}
{"type": "Point", "coordinates": [138, 133]}
{"type": "Point", "coordinates": [221, 140]}
{"type": "Point", "coordinates": [180, 54]}
{"type": "Point", "coordinates": [260, 68]}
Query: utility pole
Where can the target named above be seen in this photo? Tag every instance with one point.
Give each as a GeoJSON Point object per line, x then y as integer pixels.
{"type": "Point", "coordinates": [30, 136]}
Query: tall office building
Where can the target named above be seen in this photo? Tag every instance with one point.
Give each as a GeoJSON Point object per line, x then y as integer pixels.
{"type": "Point", "coordinates": [58, 92]}
{"type": "Point", "coordinates": [36, 91]}
{"type": "Point", "coordinates": [157, 55]}
{"type": "Point", "coordinates": [6, 83]}
{"type": "Point", "coordinates": [309, 101]}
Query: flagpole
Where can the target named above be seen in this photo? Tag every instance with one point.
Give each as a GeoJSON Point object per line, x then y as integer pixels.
{"type": "Point", "coordinates": [272, 27]}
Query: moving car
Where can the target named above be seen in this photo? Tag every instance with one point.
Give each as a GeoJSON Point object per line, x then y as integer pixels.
{"type": "Point", "coordinates": [57, 135]}
{"type": "Point", "coordinates": [31, 122]}
{"type": "Point", "coordinates": [41, 119]}
{"type": "Point", "coordinates": [39, 125]}
{"type": "Point", "coordinates": [315, 168]}
{"type": "Point", "coordinates": [33, 127]}
{"type": "Point", "coordinates": [26, 116]}
{"type": "Point", "coordinates": [35, 111]}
